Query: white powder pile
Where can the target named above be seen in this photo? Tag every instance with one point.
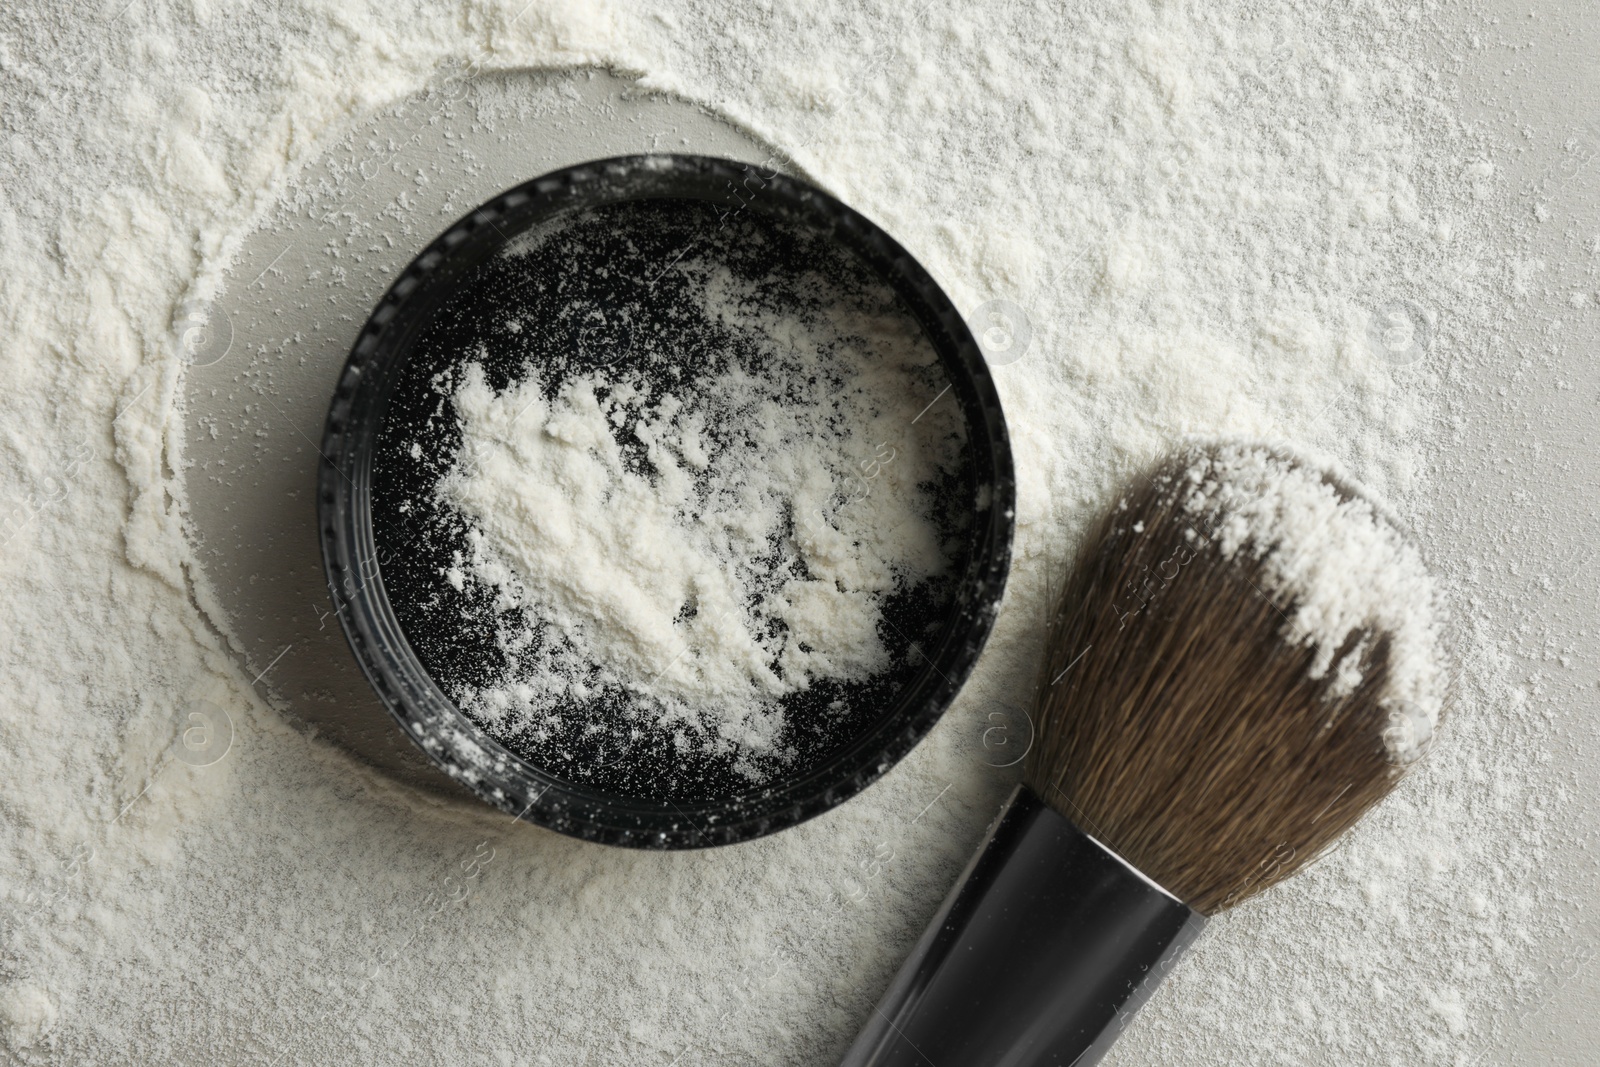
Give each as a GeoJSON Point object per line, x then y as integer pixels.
{"type": "Point", "coordinates": [1347, 576]}
{"type": "Point", "coordinates": [1201, 208]}
{"type": "Point", "coordinates": [736, 566]}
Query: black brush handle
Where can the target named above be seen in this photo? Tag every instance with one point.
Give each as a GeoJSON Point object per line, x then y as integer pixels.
{"type": "Point", "coordinates": [1040, 955]}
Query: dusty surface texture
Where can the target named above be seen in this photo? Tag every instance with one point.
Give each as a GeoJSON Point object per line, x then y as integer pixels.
{"type": "Point", "coordinates": [1369, 231]}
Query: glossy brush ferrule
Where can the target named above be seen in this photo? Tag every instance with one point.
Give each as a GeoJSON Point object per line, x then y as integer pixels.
{"type": "Point", "coordinates": [1042, 952]}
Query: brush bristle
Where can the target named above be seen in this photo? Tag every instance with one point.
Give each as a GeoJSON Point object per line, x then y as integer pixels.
{"type": "Point", "coordinates": [1205, 717]}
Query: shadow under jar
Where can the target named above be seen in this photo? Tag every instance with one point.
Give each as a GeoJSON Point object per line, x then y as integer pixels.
{"type": "Point", "coordinates": [667, 502]}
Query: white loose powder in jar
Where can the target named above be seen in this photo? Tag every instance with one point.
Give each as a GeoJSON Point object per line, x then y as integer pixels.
{"type": "Point", "coordinates": [680, 510]}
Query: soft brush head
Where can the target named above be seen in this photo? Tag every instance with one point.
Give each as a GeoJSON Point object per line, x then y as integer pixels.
{"type": "Point", "coordinates": [1246, 657]}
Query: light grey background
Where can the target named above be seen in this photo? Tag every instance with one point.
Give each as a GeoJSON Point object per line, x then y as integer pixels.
{"type": "Point", "coordinates": [1520, 484]}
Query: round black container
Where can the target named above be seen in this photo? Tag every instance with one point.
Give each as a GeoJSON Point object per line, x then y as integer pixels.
{"type": "Point", "coordinates": [363, 566]}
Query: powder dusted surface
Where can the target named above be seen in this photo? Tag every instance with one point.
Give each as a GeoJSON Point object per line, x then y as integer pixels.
{"type": "Point", "coordinates": [1202, 213]}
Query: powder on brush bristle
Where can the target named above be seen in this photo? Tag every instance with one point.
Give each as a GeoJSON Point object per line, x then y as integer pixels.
{"type": "Point", "coordinates": [1246, 657]}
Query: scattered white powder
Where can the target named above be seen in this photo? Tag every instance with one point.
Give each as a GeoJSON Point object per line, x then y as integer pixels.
{"type": "Point", "coordinates": [28, 1014]}
{"type": "Point", "coordinates": [728, 573]}
{"type": "Point", "coordinates": [1352, 577]}
{"type": "Point", "coordinates": [1200, 207]}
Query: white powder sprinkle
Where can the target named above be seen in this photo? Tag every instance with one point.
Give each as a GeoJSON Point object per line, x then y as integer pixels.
{"type": "Point", "coordinates": [28, 1014]}
{"type": "Point", "coordinates": [1207, 211]}
{"type": "Point", "coordinates": [724, 575]}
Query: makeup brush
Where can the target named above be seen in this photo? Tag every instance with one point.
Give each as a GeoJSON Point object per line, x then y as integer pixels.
{"type": "Point", "coordinates": [1246, 657]}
